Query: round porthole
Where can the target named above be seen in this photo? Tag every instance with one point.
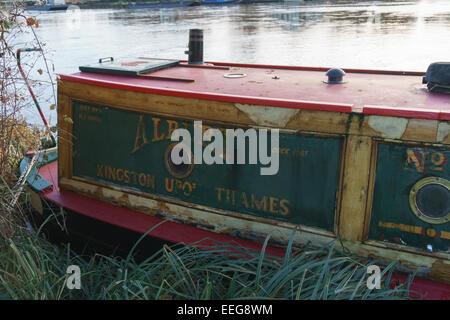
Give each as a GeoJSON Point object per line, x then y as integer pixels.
{"type": "Point", "coordinates": [429, 199]}
{"type": "Point", "coordinates": [181, 170]}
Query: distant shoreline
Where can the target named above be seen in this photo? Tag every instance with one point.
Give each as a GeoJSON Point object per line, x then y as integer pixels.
{"type": "Point", "coordinates": [142, 4]}
{"type": "Point", "coordinates": [123, 4]}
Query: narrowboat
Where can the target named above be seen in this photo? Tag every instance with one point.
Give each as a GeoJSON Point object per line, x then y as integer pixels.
{"type": "Point", "coordinates": [358, 155]}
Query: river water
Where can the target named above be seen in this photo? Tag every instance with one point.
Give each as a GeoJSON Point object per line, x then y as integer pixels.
{"type": "Point", "coordinates": [395, 35]}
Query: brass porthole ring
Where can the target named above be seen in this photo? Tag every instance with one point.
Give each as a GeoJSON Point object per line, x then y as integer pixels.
{"type": "Point", "coordinates": [181, 170]}
{"type": "Point", "coordinates": [429, 200]}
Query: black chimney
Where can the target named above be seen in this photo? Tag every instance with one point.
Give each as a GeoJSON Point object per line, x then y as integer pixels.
{"type": "Point", "coordinates": [195, 46]}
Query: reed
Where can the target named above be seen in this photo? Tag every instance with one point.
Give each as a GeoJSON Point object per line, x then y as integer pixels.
{"type": "Point", "coordinates": [32, 268]}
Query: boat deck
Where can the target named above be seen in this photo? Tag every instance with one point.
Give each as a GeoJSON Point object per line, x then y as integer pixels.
{"type": "Point", "coordinates": [385, 93]}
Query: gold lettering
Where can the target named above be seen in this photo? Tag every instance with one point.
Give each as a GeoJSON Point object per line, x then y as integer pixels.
{"type": "Point", "coordinates": [418, 162]}
{"type": "Point", "coordinates": [126, 176]}
{"type": "Point", "coordinates": [141, 136]}
{"type": "Point", "coordinates": [111, 173]}
{"type": "Point", "coordinates": [172, 126]}
{"type": "Point", "coordinates": [438, 159]}
{"type": "Point", "coordinates": [188, 186]}
{"type": "Point", "coordinates": [273, 205]}
{"type": "Point", "coordinates": [432, 233]}
{"type": "Point", "coordinates": [119, 173]}
{"type": "Point", "coordinates": [284, 205]}
{"type": "Point", "coordinates": [244, 200]}
{"type": "Point", "coordinates": [123, 175]}
{"type": "Point", "coordinates": [100, 171]}
{"type": "Point", "coordinates": [169, 188]}
{"type": "Point", "coordinates": [134, 177]}
{"type": "Point", "coordinates": [142, 179]}
{"type": "Point", "coordinates": [219, 194]}
{"type": "Point", "coordinates": [156, 134]}
{"type": "Point", "coordinates": [400, 226]}
{"type": "Point", "coordinates": [445, 235]}
{"type": "Point", "coordinates": [150, 181]}
{"type": "Point", "coordinates": [259, 204]}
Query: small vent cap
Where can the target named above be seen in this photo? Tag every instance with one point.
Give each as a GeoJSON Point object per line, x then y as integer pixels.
{"type": "Point", "coordinates": [335, 76]}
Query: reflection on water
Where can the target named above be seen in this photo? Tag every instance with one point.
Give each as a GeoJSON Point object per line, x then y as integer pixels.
{"type": "Point", "coordinates": [381, 35]}
{"type": "Point", "coordinates": [298, 19]}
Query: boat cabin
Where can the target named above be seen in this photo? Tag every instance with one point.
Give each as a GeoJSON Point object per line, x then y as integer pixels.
{"type": "Point", "coordinates": [362, 154]}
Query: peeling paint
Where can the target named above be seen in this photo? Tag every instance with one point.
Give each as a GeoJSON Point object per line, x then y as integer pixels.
{"type": "Point", "coordinates": [443, 131]}
{"type": "Point", "coordinates": [388, 127]}
{"type": "Point", "coordinates": [267, 116]}
{"type": "Point", "coordinates": [440, 270]}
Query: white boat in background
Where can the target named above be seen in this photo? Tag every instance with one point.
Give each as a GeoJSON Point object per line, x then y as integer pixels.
{"type": "Point", "coordinates": [49, 5]}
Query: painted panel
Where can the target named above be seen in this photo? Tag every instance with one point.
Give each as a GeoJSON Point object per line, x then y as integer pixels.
{"type": "Point", "coordinates": [399, 170]}
{"type": "Point", "coordinates": [128, 149]}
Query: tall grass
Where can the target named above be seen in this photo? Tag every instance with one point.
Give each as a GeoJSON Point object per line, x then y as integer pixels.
{"type": "Point", "coordinates": [31, 268]}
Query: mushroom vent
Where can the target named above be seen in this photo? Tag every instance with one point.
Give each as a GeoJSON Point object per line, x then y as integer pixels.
{"type": "Point", "coordinates": [438, 77]}
{"type": "Point", "coordinates": [335, 76]}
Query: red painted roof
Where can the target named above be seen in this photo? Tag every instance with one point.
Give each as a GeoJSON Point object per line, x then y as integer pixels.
{"type": "Point", "coordinates": [372, 92]}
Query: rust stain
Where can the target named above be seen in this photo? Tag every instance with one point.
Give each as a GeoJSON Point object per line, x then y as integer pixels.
{"type": "Point", "coordinates": [162, 207]}
{"type": "Point", "coordinates": [348, 123]}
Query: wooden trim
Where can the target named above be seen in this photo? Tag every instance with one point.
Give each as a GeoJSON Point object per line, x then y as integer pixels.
{"type": "Point", "coordinates": [65, 131]}
{"type": "Point", "coordinates": [371, 188]}
{"type": "Point", "coordinates": [414, 260]}
{"type": "Point", "coordinates": [354, 195]}
{"type": "Point", "coordinates": [419, 130]}
{"type": "Point", "coordinates": [337, 210]}
{"type": "Point", "coordinates": [206, 217]}
{"type": "Point", "coordinates": [403, 248]}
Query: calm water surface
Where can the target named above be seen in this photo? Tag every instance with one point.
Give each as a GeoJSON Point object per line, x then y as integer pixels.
{"type": "Point", "coordinates": [381, 35]}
